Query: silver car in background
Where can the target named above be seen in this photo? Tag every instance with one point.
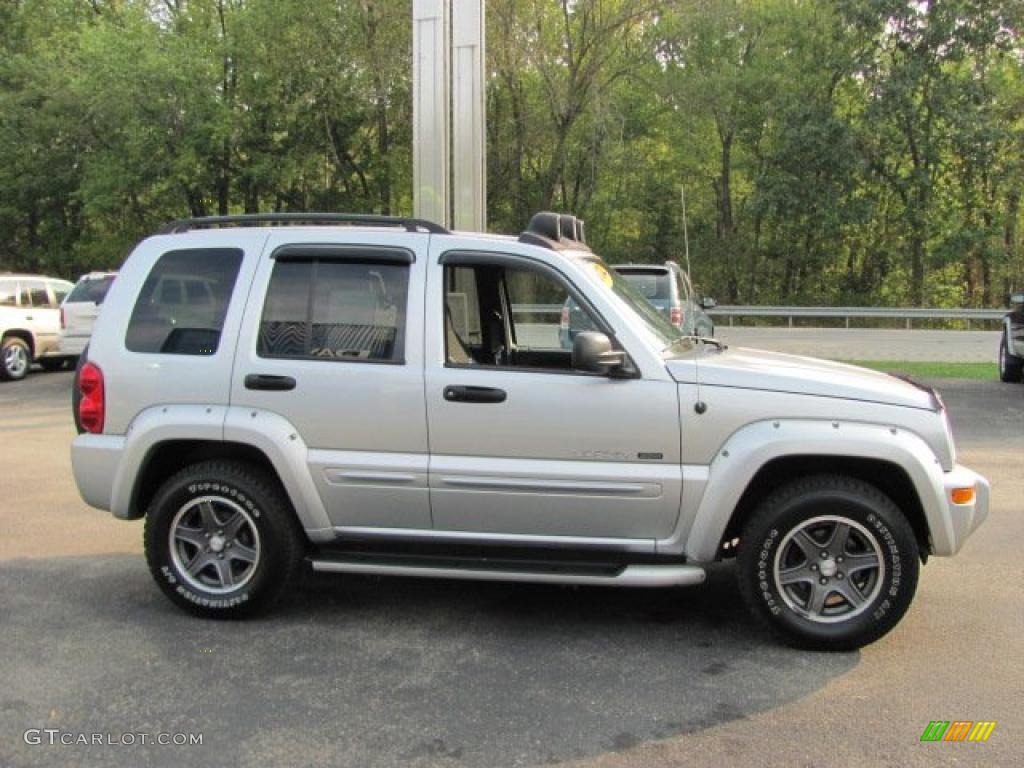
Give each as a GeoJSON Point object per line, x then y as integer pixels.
{"type": "Point", "coordinates": [80, 309]}
{"type": "Point", "coordinates": [669, 288]}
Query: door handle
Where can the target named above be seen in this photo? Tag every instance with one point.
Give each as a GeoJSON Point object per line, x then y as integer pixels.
{"type": "Point", "coordinates": [474, 395]}
{"type": "Point", "coordinates": [270, 383]}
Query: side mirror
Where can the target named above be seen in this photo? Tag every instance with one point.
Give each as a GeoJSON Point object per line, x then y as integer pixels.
{"type": "Point", "coordinates": [592, 351]}
{"type": "Point", "coordinates": [708, 303]}
{"type": "Point", "coordinates": [1017, 298]}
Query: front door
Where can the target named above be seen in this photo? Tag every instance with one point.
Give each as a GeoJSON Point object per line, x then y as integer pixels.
{"type": "Point", "coordinates": [523, 445]}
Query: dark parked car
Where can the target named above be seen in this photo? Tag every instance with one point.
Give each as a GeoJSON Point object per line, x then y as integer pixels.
{"type": "Point", "coordinates": [1011, 344]}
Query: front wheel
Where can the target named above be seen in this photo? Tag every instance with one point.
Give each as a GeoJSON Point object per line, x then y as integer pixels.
{"type": "Point", "coordinates": [221, 540]}
{"type": "Point", "coordinates": [1010, 366]}
{"type": "Point", "coordinates": [829, 563]}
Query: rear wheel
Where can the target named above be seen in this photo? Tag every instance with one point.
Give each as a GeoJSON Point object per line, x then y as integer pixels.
{"type": "Point", "coordinates": [15, 359]}
{"type": "Point", "coordinates": [829, 563]}
{"type": "Point", "coordinates": [222, 541]}
{"type": "Point", "coordinates": [1010, 366]}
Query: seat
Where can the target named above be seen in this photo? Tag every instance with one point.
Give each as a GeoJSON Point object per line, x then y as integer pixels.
{"type": "Point", "coordinates": [455, 349]}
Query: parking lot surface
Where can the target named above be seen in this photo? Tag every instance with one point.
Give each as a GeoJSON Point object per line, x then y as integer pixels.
{"type": "Point", "coordinates": [368, 672]}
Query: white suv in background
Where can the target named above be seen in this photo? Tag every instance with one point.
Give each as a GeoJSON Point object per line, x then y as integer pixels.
{"type": "Point", "coordinates": [30, 323]}
{"type": "Point", "coordinates": [80, 309]}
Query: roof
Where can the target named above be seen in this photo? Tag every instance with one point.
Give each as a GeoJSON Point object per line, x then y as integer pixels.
{"type": "Point", "coordinates": [28, 276]}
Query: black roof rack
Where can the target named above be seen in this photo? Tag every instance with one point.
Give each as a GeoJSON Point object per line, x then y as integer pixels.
{"type": "Point", "coordinates": [556, 231]}
{"type": "Point", "coordinates": [299, 219]}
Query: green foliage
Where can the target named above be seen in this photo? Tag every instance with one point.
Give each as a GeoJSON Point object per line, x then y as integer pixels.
{"type": "Point", "coordinates": [831, 151]}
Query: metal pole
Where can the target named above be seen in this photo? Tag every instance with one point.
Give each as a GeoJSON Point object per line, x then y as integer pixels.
{"type": "Point", "coordinates": [686, 236]}
{"type": "Point", "coordinates": [430, 129]}
{"type": "Point", "coordinates": [469, 186]}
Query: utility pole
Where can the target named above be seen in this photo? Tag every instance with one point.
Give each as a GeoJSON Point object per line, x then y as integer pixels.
{"type": "Point", "coordinates": [449, 121]}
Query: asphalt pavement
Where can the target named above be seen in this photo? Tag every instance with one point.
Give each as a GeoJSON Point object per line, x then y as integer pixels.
{"type": "Point", "coordinates": [366, 672]}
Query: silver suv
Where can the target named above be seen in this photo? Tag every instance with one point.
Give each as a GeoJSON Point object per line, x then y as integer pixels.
{"type": "Point", "coordinates": [356, 392]}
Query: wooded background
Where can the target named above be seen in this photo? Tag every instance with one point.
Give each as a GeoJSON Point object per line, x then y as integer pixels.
{"type": "Point", "coordinates": [832, 151]}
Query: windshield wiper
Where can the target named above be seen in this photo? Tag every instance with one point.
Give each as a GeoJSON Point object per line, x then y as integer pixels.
{"type": "Point", "coordinates": [710, 340]}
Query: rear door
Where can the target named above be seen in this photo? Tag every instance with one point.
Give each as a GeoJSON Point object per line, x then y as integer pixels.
{"type": "Point", "coordinates": [82, 306]}
{"type": "Point", "coordinates": [42, 314]}
{"type": "Point", "coordinates": [333, 342]}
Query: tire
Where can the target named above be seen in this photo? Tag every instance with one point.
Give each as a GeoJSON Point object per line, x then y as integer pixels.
{"type": "Point", "coordinates": [15, 359]}
{"type": "Point", "coordinates": [1011, 367]}
{"type": "Point", "coordinates": [235, 517]}
{"type": "Point", "coordinates": [784, 541]}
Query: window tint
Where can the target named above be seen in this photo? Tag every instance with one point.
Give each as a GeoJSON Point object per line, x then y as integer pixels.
{"type": "Point", "coordinates": [165, 320]}
{"type": "Point", "coordinates": [8, 293]}
{"type": "Point", "coordinates": [91, 289]}
{"type": "Point", "coordinates": [37, 293]}
{"type": "Point", "coordinates": [340, 310]}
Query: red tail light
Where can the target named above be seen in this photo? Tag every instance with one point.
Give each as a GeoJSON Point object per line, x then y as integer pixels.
{"type": "Point", "coordinates": [63, 325]}
{"type": "Point", "coordinates": [563, 321]}
{"type": "Point", "coordinates": [93, 405]}
{"type": "Point", "coordinates": [675, 316]}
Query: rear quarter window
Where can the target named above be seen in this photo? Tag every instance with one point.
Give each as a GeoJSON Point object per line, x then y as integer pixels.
{"type": "Point", "coordinates": [183, 302]}
{"type": "Point", "coordinates": [8, 293]}
{"type": "Point", "coordinates": [91, 289]}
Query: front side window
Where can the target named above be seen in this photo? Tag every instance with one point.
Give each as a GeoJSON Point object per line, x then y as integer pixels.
{"type": "Point", "coordinates": [335, 310]}
{"type": "Point", "coordinates": [506, 317]}
{"type": "Point", "coordinates": [168, 318]}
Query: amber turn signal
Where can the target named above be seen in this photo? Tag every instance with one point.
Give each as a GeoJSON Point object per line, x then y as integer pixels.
{"type": "Point", "coordinates": [962, 495]}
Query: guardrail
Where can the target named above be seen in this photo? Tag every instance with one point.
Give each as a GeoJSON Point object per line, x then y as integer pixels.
{"type": "Point", "coordinates": [907, 314]}
{"type": "Point", "coordinates": [732, 311]}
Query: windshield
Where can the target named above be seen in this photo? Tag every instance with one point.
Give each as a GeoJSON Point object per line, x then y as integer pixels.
{"type": "Point", "coordinates": [655, 322]}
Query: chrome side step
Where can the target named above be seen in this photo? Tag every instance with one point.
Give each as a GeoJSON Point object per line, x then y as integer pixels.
{"type": "Point", "coordinates": [627, 576]}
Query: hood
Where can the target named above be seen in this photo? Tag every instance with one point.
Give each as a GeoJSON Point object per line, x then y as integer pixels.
{"type": "Point", "coordinates": [775, 372]}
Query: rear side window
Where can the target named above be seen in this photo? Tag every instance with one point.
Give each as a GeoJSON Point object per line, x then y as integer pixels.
{"type": "Point", "coordinates": [335, 310]}
{"type": "Point", "coordinates": [166, 320]}
{"type": "Point", "coordinates": [91, 289]}
{"type": "Point", "coordinates": [656, 285]}
{"type": "Point", "coordinates": [37, 293]}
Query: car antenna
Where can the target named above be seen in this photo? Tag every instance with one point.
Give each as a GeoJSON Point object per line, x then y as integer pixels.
{"type": "Point", "coordinates": [686, 236]}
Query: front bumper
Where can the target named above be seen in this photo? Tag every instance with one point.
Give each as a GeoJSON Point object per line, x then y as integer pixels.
{"type": "Point", "coordinates": [960, 520]}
